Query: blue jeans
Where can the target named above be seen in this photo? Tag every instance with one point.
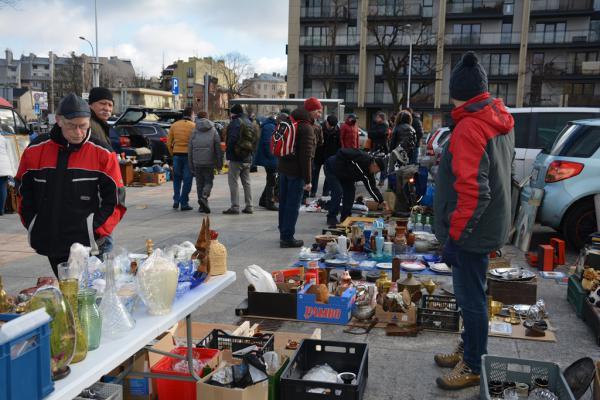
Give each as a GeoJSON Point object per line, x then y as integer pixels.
{"type": "Point", "coordinates": [182, 180]}
{"type": "Point", "coordinates": [290, 198]}
{"type": "Point", "coordinates": [343, 191]}
{"type": "Point", "coordinates": [469, 278]}
{"type": "Point", "coordinates": [3, 192]}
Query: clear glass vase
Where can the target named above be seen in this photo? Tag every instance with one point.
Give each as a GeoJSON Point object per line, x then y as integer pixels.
{"type": "Point", "coordinates": [115, 318]}
{"type": "Point", "coordinates": [157, 283]}
{"type": "Point", "coordinates": [69, 286]}
{"type": "Point", "coordinates": [90, 318]}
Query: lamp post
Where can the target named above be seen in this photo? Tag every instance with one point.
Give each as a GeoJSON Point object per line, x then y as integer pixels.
{"type": "Point", "coordinates": [95, 71]}
{"type": "Point", "coordinates": [409, 64]}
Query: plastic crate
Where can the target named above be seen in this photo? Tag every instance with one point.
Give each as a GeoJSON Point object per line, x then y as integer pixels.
{"type": "Point", "coordinates": [106, 391]}
{"type": "Point", "coordinates": [576, 295]}
{"type": "Point", "coordinates": [341, 356]}
{"type": "Point", "coordinates": [439, 313]}
{"type": "Point", "coordinates": [179, 390]}
{"type": "Point", "coordinates": [505, 369]}
{"type": "Point", "coordinates": [221, 340]}
{"type": "Point", "coordinates": [25, 356]}
{"type": "Point", "coordinates": [338, 310]}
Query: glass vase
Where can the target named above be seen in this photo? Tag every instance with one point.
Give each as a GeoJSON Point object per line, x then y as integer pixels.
{"type": "Point", "coordinates": [62, 328]}
{"type": "Point", "coordinates": [157, 283]}
{"type": "Point", "coordinates": [116, 320]}
{"type": "Point", "coordinates": [90, 318]}
{"type": "Point", "coordinates": [70, 288]}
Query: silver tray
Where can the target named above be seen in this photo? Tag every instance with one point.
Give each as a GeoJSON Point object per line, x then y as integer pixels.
{"type": "Point", "coordinates": [512, 274]}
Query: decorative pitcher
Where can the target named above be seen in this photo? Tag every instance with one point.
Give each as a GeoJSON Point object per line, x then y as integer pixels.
{"type": "Point", "coordinates": [90, 318]}
{"type": "Point", "coordinates": [343, 245]}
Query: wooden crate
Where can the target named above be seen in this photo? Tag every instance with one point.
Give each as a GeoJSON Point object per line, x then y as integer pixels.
{"type": "Point", "coordinates": [127, 173]}
{"type": "Point", "coordinates": [153, 178]}
{"type": "Point", "coordinates": [513, 292]}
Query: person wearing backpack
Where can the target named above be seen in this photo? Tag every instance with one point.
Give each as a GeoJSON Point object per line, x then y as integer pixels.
{"type": "Point", "coordinates": [241, 140]}
{"type": "Point", "coordinates": [266, 159]}
{"type": "Point", "coordinates": [295, 167]}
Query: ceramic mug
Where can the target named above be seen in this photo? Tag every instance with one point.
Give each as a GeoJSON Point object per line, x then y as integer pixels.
{"type": "Point", "coordinates": [522, 389]}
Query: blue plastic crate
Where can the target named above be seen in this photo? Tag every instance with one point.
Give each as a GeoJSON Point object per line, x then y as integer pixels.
{"type": "Point", "coordinates": [25, 356]}
{"type": "Point", "coordinates": [337, 311]}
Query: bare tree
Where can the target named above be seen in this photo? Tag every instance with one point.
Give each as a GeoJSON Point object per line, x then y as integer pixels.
{"type": "Point", "coordinates": [388, 36]}
{"type": "Point", "coordinates": [69, 76]}
{"type": "Point", "coordinates": [234, 68]}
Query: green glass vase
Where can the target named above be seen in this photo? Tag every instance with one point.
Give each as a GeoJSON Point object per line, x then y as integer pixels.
{"type": "Point", "coordinates": [90, 318]}
{"type": "Point", "coordinates": [70, 289]}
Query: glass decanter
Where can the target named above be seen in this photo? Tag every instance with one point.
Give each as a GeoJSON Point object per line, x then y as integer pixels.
{"type": "Point", "coordinates": [115, 318]}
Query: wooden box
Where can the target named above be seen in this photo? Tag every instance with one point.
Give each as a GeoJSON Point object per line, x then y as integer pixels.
{"type": "Point", "coordinates": [127, 173]}
{"type": "Point", "coordinates": [513, 292]}
{"type": "Point", "coordinates": [153, 178]}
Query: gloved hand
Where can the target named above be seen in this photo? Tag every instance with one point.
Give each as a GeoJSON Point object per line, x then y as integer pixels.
{"type": "Point", "coordinates": [450, 252]}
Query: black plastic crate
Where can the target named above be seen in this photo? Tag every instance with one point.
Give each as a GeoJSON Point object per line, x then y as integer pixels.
{"type": "Point", "coordinates": [341, 356]}
{"type": "Point", "coordinates": [439, 313]}
{"type": "Point", "coordinates": [221, 340]}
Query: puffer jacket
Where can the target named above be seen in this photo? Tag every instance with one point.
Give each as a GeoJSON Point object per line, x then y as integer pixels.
{"type": "Point", "coordinates": [204, 149]}
{"type": "Point", "coordinates": [179, 136]}
{"type": "Point", "coordinates": [299, 165]}
{"type": "Point", "coordinates": [473, 189]}
{"type": "Point", "coordinates": [264, 157]}
{"type": "Point", "coordinates": [349, 135]}
{"type": "Point", "coordinates": [68, 193]}
{"type": "Point", "coordinates": [404, 135]}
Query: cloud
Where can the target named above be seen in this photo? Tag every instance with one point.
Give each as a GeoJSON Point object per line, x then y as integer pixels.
{"type": "Point", "coordinates": [270, 64]}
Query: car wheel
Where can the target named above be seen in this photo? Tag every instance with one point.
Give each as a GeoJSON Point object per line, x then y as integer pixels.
{"type": "Point", "coordinates": [579, 223]}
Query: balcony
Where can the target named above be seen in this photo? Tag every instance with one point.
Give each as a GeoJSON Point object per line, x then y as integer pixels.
{"type": "Point", "coordinates": [402, 41]}
{"type": "Point", "coordinates": [480, 10]}
{"type": "Point", "coordinates": [327, 41]}
{"type": "Point", "coordinates": [349, 96]}
{"type": "Point", "coordinates": [582, 100]}
{"type": "Point", "coordinates": [483, 40]}
{"type": "Point", "coordinates": [584, 38]}
{"type": "Point", "coordinates": [543, 8]}
{"type": "Point", "coordinates": [562, 70]}
{"type": "Point", "coordinates": [394, 13]}
{"type": "Point", "coordinates": [327, 70]}
{"type": "Point", "coordinates": [385, 99]}
{"type": "Point", "coordinates": [501, 71]}
{"type": "Point", "coordinates": [340, 13]}
{"type": "Point", "coordinates": [419, 73]}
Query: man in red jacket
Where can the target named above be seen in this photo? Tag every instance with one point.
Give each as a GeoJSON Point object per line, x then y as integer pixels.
{"type": "Point", "coordinates": [349, 133]}
{"type": "Point", "coordinates": [69, 185]}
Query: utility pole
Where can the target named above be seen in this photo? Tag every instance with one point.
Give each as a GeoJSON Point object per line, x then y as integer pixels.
{"type": "Point", "coordinates": [96, 68]}
{"type": "Point", "coordinates": [409, 64]}
{"type": "Point", "coordinates": [206, 89]}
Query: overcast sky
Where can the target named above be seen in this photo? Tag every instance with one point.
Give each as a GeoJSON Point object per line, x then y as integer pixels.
{"type": "Point", "coordinates": [142, 30]}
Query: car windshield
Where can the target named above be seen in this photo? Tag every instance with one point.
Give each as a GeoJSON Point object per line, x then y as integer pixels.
{"type": "Point", "coordinates": [577, 140]}
{"type": "Point", "coordinates": [7, 122]}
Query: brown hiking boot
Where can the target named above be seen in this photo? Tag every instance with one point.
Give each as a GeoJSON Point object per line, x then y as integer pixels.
{"type": "Point", "coordinates": [461, 377]}
{"type": "Point", "coordinates": [450, 360]}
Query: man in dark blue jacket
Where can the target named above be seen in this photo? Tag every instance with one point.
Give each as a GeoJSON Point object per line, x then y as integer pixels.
{"type": "Point", "coordinates": [266, 159]}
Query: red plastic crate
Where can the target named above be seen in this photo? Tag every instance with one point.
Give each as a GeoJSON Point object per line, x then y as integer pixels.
{"type": "Point", "coordinates": [179, 390]}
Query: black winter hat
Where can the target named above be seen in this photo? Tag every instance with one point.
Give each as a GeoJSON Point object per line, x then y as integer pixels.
{"type": "Point", "coordinates": [72, 106]}
{"type": "Point", "coordinates": [332, 120]}
{"type": "Point", "coordinates": [237, 109]}
{"type": "Point", "coordinates": [468, 78]}
{"type": "Point", "coordinates": [100, 93]}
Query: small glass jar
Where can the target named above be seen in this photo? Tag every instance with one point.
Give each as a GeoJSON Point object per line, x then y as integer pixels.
{"type": "Point", "coordinates": [90, 318]}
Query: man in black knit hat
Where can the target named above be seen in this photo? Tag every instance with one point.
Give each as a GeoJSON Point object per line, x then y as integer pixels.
{"type": "Point", "coordinates": [472, 209]}
{"type": "Point", "coordinates": [101, 105]}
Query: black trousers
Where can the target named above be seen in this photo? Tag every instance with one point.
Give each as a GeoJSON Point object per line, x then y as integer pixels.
{"type": "Point", "coordinates": [268, 194]}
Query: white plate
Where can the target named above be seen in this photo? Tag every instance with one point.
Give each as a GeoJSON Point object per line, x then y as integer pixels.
{"type": "Point", "coordinates": [442, 268]}
{"type": "Point", "coordinates": [385, 265]}
{"type": "Point", "coordinates": [412, 266]}
{"type": "Point", "coordinates": [335, 261]}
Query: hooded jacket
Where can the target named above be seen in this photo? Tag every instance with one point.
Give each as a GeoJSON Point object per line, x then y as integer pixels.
{"type": "Point", "coordinates": [100, 130]}
{"type": "Point", "coordinates": [68, 193]}
{"type": "Point", "coordinates": [299, 165]}
{"type": "Point", "coordinates": [349, 135]}
{"type": "Point", "coordinates": [379, 137]}
{"type": "Point", "coordinates": [353, 165]}
{"type": "Point", "coordinates": [204, 149]}
{"type": "Point", "coordinates": [473, 188]}
{"type": "Point", "coordinates": [264, 157]}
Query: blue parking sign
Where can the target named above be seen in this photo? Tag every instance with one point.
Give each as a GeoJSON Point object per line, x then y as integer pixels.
{"type": "Point", "coordinates": [175, 88]}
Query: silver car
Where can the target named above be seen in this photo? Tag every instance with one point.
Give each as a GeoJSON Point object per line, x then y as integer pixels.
{"type": "Point", "coordinates": [569, 174]}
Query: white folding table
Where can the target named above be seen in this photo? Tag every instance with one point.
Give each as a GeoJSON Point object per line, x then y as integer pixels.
{"type": "Point", "coordinates": [113, 352]}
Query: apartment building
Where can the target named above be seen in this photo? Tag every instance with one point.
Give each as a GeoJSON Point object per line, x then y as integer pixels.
{"type": "Point", "coordinates": [271, 86]}
{"type": "Point", "coordinates": [536, 52]}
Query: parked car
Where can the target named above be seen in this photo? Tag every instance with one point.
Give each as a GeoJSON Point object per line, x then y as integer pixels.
{"type": "Point", "coordinates": [142, 132]}
{"type": "Point", "coordinates": [13, 126]}
{"type": "Point", "coordinates": [536, 128]}
{"type": "Point", "coordinates": [568, 173]}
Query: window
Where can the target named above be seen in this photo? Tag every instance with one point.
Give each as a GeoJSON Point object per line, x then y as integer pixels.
{"type": "Point", "coordinates": [466, 33]}
{"type": "Point", "coordinates": [427, 10]}
{"type": "Point", "coordinates": [421, 64]}
{"type": "Point", "coordinates": [190, 72]}
{"type": "Point", "coordinates": [499, 90]}
{"type": "Point", "coordinates": [577, 59]}
{"type": "Point", "coordinates": [550, 32]}
{"type": "Point", "coordinates": [582, 142]}
{"type": "Point", "coordinates": [497, 64]}
{"type": "Point", "coordinates": [265, 86]}
{"type": "Point", "coordinates": [378, 94]}
{"type": "Point", "coordinates": [509, 6]}
{"type": "Point", "coordinates": [549, 126]}
{"type": "Point", "coordinates": [378, 66]}
{"type": "Point", "coordinates": [273, 88]}
{"type": "Point", "coordinates": [506, 35]}
{"type": "Point", "coordinates": [317, 36]}
{"type": "Point", "coordinates": [522, 129]}
{"type": "Point", "coordinates": [190, 92]}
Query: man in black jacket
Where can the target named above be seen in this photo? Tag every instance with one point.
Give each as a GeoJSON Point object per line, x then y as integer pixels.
{"type": "Point", "coordinates": [342, 171]}
{"type": "Point", "coordinates": [330, 146]}
{"type": "Point", "coordinates": [379, 139]}
{"type": "Point", "coordinates": [101, 106]}
{"type": "Point", "coordinates": [418, 127]}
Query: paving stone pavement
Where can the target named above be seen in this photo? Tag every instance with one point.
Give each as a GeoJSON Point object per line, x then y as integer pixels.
{"type": "Point", "coordinates": [399, 368]}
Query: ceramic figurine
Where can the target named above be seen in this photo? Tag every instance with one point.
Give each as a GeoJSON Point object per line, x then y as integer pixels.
{"type": "Point", "coordinates": [203, 247]}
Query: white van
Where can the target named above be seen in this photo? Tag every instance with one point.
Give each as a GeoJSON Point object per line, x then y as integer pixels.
{"type": "Point", "coordinates": [536, 129]}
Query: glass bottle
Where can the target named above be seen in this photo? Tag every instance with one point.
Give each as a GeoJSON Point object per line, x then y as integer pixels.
{"type": "Point", "coordinates": [115, 318]}
{"type": "Point", "coordinates": [427, 225]}
{"type": "Point", "coordinates": [419, 223]}
{"type": "Point", "coordinates": [90, 318]}
{"type": "Point", "coordinates": [69, 287]}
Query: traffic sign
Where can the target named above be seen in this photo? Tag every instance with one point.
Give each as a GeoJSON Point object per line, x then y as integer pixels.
{"type": "Point", "coordinates": [175, 88]}
{"type": "Point", "coordinates": [36, 108]}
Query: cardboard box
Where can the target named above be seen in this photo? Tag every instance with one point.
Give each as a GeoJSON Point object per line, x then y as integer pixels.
{"type": "Point", "coordinates": [408, 318]}
{"type": "Point", "coordinates": [205, 391]}
{"type": "Point", "coordinates": [337, 311]}
{"type": "Point", "coordinates": [153, 178]}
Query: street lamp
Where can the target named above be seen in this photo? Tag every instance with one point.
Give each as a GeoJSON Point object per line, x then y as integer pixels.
{"type": "Point", "coordinates": [409, 63]}
{"type": "Point", "coordinates": [95, 71]}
